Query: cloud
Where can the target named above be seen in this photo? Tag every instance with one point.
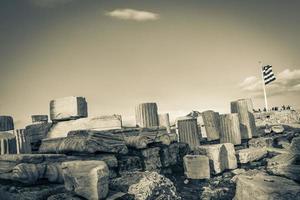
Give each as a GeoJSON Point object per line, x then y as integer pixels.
{"type": "Point", "coordinates": [131, 14]}
{"type": "Point", "coordinates": [286, 81]}
{"type": "Point", "coordinates": [49, 3]}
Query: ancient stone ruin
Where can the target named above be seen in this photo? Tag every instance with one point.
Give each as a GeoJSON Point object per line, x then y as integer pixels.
{"type": "Point", "coordinates": [204, 155]}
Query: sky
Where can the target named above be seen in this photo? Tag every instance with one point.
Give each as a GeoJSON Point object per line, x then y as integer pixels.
{"type": "Point", "coordinates": [184, 55]}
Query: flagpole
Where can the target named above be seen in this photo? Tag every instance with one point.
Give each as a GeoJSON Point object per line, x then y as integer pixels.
{"type": "Point", "coordinates": [264, 87]}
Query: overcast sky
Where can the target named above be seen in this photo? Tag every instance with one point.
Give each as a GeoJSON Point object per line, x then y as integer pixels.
{"type": "Point", "coordinates": [184, 55]}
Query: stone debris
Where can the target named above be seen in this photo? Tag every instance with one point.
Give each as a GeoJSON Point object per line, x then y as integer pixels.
{"type": "Point", "coordinates": [85, 141]}
{"type": "Point", "coordinates": [196, 167]}
{"type": "Point", "coordinates": [286, 165]}
{"type": "Point", "coordinates": [150, 158]}
{"type": "Point", "coordinates": [145, 186]}
{"type": "Point", "coordinates": [262, 186]}
{"type": "Point", "coordinates": [230, 129]}
{"type": "Point", "coordinates": [188, 131]}
{"type": "Point", "coordinates": [146, 115]}
{"type": "Point", "coordinates": [295, 146]}
{"type": "Point", "coordinates": [246, 117]}
{"type": "Point", "coordinates": [88, 179]}
{"type": "Point", "coordinates": [277, 129]}
{"type": "Point", "coordinates": [68, 108]}
{"type": "Point", "coordinates": [261, 142]}
{"type": "Point", "coordinates": [251, 154]}
{"type": "Point", "coordinates": [211, 121]}
{"type": "Point", "coordinates": [62, 128]}
{"type": "Point", "coordinates": [6, 123]}
{"type": "Point", "coordinates": [221, 156]}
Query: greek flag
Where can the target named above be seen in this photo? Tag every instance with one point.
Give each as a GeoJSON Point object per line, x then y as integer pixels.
{"type": "Point", "coordinates": [268, 74]}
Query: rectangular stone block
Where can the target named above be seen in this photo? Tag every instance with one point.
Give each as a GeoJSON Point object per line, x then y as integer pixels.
{"type": "Point", "coordinates": [88, 179]}
{"type": "Point", "coordinates": [36, 132]}
{"type": "Point", "coordinates": [62, 128]}
{"type": "Point", "coordinates": [251, 154]}
{"type": "Point", "coordinates": [67, 108]}
{"type": "Point", "coordinates": [212, 124]}
{"type": "Point", "coordinates": [262, 186]}
{"type": "Point", "coordinates": [221, 156]}
{"type": "Point", "coordinates": [196, 167]}
{"type": "Point", "coordinates": [39, 118]}
{"type": "Point", "coordinates": [168, 155]}
{"type": "Point", "coordinates": [86, 142]}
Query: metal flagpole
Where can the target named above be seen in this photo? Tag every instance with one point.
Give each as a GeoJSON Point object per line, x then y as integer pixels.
{"type": "Point", "coordinates": [264, 86]}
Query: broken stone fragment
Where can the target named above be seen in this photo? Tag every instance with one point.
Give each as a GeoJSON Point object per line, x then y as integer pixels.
{"type": "Point", "coordinates": [251, 154]}
{"type": "Point", "coordinates": [88, 179]}
{"type": "Point", "coordinates": [150, 158]}
{"type": "Point", "coordinates": [169, 154]}
{"type": "Point", "coordinates": [285, 165]}
{"type": "Point", "coordinates": [221, 156]}
{"type": "Point", "coordinates": [164, 121]}
{"type": "Point", "coordinates": [85, 141]}
{"type": "Point", "coordinates": [277, 129]}
{"type": "Point", "coordinates": [295, 146]}
{"type": "Point", "coordinates": [261, 142]}
{"type": "Point", "coordinates": [67, 108]}
{"type": "Point", "coordinates": [196, 167]}
{"type": "Point", "coordinates": [129, 163]}
{"type": "Point", "coordinates": [22, 141]}
{"type": "Point", "coordinates": [262, 186]}
{"type": "Point", "coordinates": [106, 122]}
{"type": "Point", "coordinates": [211, 121]}
{"type": "Point", "coordinates": [145, 186]}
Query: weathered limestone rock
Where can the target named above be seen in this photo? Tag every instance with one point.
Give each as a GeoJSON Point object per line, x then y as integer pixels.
{"type": "Point", "coordinates": [201, 126]}
{"type": "Point", "coordinates": [246, 117]}
{"type": "Point", "coordinates": [295, 145]}
{"type": "Point", "coordinates": [12, 191]}
{"type": "Point", "coordinates": [286, 165]}
{"type": "Point", "coordinates": [8, 162]}
{"type": "Point", "coordinates": [212, 124]}
{"type": "Point", "coordinates": [138, 142]}
{"type": "Point", "coordinates": [168, 155]}
{"type": "Point", "coordinates": [145, 186]}
{"type": "Point", "coordinates": [129, 163]}
{"type": "Point", "coordinates": [196, 167]}
{"type": "Point", "coordinates": [277, 129]}
{"type": "Point", "coordinates": [221, 156]}
{"type": "Point", "coordinates": [7, 143]}
{"type": "Point", "coordinates": [35, 133]}
{"type": "Point", "coordinates": [231, 161]}
{"type": "Point", "coordinates": [251, 154]}
{"type": "Point", "coordinates": [230, 129]}
{"type": "Point", "coordinates": [188, 131]}
{"type": "Point", "coordinates": [67, 108]}
{"type": "Point", "coordinates": [6, 123]}
{"type": "Point", "coordinates": [62, 128]}
{"type": "Point", "coordinates": [85, 141]}
{"type": "Point", "coordinates": [150, 158]}
{"type": "Point", "coordinates": [261, 187]}
{"type": "Point", "coordinates": [22, 141]}
{"type": "Point", "coordinates": [39, 118]}
{"type": "Point", "coordinates": [156, 135]}
{"type": "Point", "coordinates": [146, 115]}
{"type": "Point", "coordinates": [164, 121]}
{"type": "Point", "coordinates": [260, 142]}
{"type": "Point", "coordinates": [88, 179]}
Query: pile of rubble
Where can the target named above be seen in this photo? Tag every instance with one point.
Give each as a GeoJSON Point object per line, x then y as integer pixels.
{"type": "Point", "coordinates": [204, 156]}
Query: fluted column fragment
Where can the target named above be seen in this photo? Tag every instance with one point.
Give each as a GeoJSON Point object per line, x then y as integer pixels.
{"type": "Point", "coordinates": [230, 129]}
{"type": "Point", "coordinates": [146, 115]}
